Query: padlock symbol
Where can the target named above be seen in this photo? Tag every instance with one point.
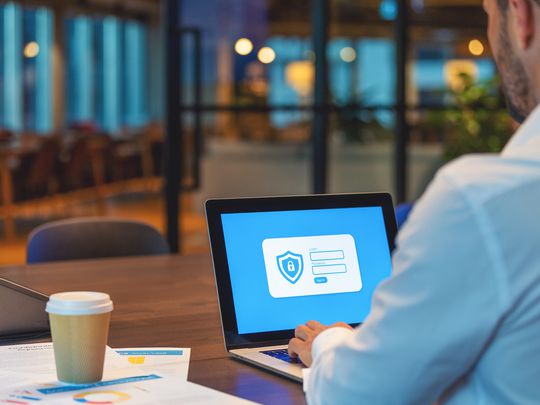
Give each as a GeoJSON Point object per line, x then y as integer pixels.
{"type": "Point", "coordinates": [290, 266]}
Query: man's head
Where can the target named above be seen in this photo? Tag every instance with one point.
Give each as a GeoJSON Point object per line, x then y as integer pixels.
{"type": "Point", "coordinates": [514, 36]}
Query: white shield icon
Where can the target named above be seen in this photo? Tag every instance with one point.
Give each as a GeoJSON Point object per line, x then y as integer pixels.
{"type": "Point", "coordinates": [291, 266]}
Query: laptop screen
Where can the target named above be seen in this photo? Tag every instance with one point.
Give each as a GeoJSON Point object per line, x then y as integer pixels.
{"type": "Point", "coordinates": [288, 267]}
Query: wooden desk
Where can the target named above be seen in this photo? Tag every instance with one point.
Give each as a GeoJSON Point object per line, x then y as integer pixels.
{"type": "Point", "coordinates": [164, 301]}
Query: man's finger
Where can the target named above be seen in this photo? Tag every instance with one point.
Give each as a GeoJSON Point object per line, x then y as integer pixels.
{"type": "Point", "coordinates": [302, 332]}
{"type": "Point", "coordinates": [343, 325]}
{"type": "Point", "coordinates": [316, 326]}
{"type": "Point", "coordinates": [295, 346]}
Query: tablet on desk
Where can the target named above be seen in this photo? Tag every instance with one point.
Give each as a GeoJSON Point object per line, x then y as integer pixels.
{"type": "Point", "coordinates": [281, 261]}
{"type": "Point", "coordinates": [22, 313]}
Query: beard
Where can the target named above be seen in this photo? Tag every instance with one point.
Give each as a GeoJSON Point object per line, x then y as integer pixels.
{"type": "Point", "coordinates": [515, 83]}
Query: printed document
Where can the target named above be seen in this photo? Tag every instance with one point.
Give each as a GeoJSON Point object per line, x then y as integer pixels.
{"type": "Point", "coordinates": [28, 377]}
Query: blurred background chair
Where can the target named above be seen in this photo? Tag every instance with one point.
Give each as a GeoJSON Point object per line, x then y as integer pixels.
{"type": "Point", "coordinates": [402, 213]}
{"type": "Point", "coordinates": [93, 238]}
{"type": "Point", "coordinates": [5, 135]}
{"type": "Point", "coordinates": [34, 174]}
{"type": "Point", "coordinates": [74, 168]}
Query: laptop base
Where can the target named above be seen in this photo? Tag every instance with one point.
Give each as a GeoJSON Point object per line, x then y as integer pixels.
{"type": "Point", "coordinates": [254, 357]}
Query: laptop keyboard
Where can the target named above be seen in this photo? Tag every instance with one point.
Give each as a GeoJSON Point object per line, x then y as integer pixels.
{"type": "Point", "coordinates": [281, 354]}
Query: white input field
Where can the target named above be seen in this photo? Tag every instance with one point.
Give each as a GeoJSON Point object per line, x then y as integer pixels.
{"type": "Point", "coordinates": [329, 269]}
{"type": "Point", "coordinates": [327, 255]}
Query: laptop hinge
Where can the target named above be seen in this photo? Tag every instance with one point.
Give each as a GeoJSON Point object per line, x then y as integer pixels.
{"type": "Point", "coordinates": [278, 342]}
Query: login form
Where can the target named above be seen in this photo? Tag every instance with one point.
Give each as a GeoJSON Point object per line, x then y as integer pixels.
{"type": "Point", "coordinates": [311, 265]}
{"type": "Point", "coordinates": [288, 267]}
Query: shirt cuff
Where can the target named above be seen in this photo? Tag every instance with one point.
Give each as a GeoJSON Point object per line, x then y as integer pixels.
{"type": "Point", "coordinates": [329, 339]}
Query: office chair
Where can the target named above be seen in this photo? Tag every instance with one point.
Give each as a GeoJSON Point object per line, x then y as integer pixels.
{"type": "Point", "coordinates": [32, 178]}
{"type": "Point", "coordinates": [402, 213]}
{"type": "Point", "coordinates": [93, 238]}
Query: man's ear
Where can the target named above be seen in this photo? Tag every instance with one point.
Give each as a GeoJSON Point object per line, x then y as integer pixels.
{"type": "Point", "coordinates": [523, 14]}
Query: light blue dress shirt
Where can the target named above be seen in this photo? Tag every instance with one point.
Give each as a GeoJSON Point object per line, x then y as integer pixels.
{"type": "Point", "coordinates": [458, 322]}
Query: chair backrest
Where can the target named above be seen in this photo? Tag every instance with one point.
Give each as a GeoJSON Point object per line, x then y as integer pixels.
{"type": "Point", "coordinates": [402, 213]}
{"type": "Point", "coordinates": [75, 168]}
{"type": "Point", "coordinates": [43, 166]}
{"type": "Point", "coordinates": [93, 238]}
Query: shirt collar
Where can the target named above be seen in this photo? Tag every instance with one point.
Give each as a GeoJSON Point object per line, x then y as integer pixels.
{"type": "Point", "coordinates": [525, 143]}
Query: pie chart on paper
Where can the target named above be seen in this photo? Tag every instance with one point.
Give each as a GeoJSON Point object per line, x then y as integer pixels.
{"type": "Point", "coordinates": [101, 397]}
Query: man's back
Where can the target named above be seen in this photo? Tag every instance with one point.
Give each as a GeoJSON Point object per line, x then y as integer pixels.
{"type": "Point", "coordinates": [505, 192]}
{"type": "Point", "coordinates": [459, 319]}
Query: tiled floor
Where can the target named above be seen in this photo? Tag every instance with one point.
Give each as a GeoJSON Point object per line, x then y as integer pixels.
{"type": "Point", "coordinates": [147, 207]}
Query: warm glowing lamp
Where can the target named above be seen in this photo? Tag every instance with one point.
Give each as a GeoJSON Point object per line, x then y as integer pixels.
{"type": "Point", "coordinates": [453, 69]}
{"type": "Point", "coordinates": [31, 49]}
{"type": "Point", "coordinates": [300, 75]}
{"type": "Point", "coordinates": [476, 47]}
{"type": "Point", "coordinates": [347, 54]}
{"type": "Point", "coordinates": [243, 46]}
{"type": "Point", "coordinates": [266, 55]}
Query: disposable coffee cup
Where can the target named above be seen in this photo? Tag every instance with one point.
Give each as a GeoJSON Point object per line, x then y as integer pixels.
{"type": "Point", "coordinates": [79, 328]}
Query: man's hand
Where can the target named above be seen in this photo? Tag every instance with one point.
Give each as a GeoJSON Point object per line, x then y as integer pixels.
{"type": "Point", "coordinates": [304, 335]}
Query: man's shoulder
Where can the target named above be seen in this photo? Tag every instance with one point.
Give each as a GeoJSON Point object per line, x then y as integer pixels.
{"type": "Point", "coordinates": [485, 176]}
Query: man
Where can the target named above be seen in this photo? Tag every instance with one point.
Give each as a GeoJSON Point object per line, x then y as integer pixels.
{"type": "Point", "coordinates": [459, 320]}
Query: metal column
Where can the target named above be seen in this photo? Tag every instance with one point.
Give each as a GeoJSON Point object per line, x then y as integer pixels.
{"type": "Point", "coordinates": [402, 130]}
{"type": "Point", "coordinates": [173, 140]}
{"type": "Point", "coordinates": [319, 132]}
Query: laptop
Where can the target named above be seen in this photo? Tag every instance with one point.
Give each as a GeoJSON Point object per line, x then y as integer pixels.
{"type": "Point", "coordinates": [282, 261]}
{"type": "Point", "coordinates": [23, 313]}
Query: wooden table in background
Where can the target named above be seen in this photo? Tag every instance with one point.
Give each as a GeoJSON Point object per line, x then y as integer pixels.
{"type": "Point", "coordinates": [164, 301]}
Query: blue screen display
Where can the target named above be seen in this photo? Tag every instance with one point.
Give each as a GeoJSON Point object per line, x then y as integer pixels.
{"type": "Point", "coordinates": [288, 267]}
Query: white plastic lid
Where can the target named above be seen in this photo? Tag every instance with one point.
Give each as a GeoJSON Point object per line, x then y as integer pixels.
{"type": "Point", "coordinates": [79, 303]}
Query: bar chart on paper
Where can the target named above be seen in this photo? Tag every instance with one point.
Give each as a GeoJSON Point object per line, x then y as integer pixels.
{"type": "Point", "coordinates": [170, 361]}
{"type": "Point", "coordinates": [21, 397]}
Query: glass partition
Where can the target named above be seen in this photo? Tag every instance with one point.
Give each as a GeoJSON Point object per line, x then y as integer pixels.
{"type": "Point", "coordinates": [453, 90]}
{"type": "Point", "coordinates": [93, 77]}
{"type": "Point", "coordinates": [107, 65]}
{"type": "Point", "coordinates": [26, 37]}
